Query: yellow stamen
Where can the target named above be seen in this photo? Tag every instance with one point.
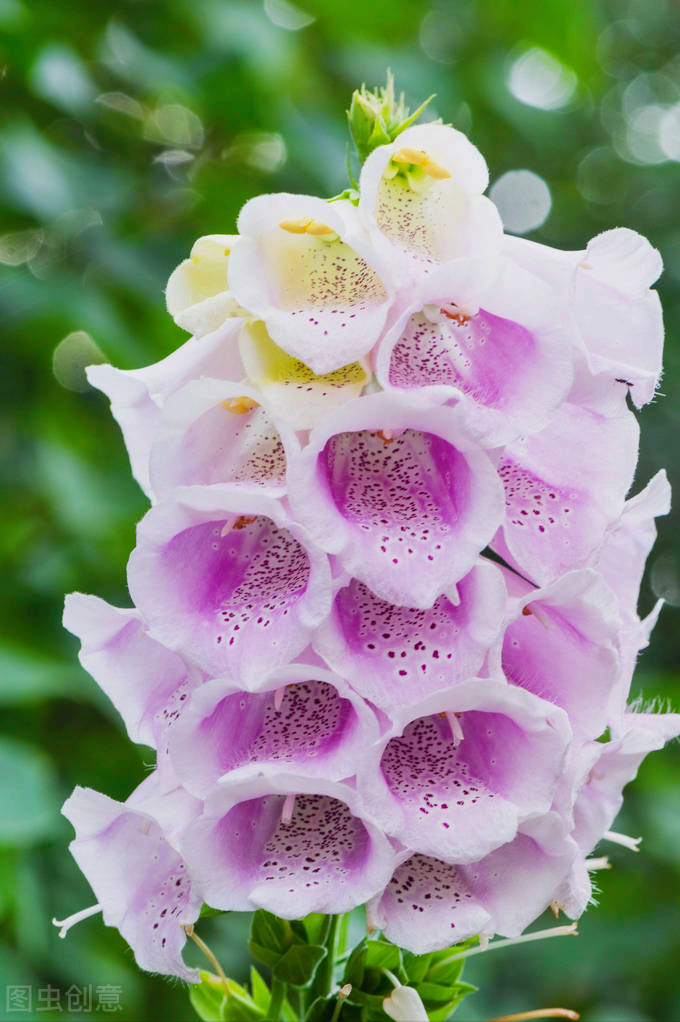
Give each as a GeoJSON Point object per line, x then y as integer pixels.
{"type": "Point", "coordinates": [317, 228]}
{"type": "Point", "coordinates": [240, 405]}
{"type": "Point", "coordinates": [418, 158]}
{"type": "Point", "coordinates": [296, 226]}
{"type": "Point", "coordinates": [408, 155]}
{"type": "Point", "coordinates": [308, 226]}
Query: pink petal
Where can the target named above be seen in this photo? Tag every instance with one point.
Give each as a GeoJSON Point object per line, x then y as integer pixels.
{"type": "Point", "coordinates": [329, 857]}
{"type": "Point", "coordinates": [406, 511]}
{"type": "Point", "coordinates": [394, 655]}
{"type": "Point", "coordinates": [562, 643]}
{"type": "Point", "coordinates": [563, 488]}
{"type": "Point", "coordinates": [138, 395]}
{"type": "Point", "coordinates": [302, 719]}
{"type": "Point", "coordinates": [203, 441]}
{"type": "Point", "coordinates": [139, 675]}
{"type": "Point", "coordinates": [140, 881]}
{"type": "Point", "coordinates": [227, 578]}
{"type": "Point", "coordinates": [452, 779]}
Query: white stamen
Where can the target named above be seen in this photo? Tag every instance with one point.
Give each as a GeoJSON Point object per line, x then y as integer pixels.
{"type": "Point", "coordinates": [278, 697]}
{"type": "Point", "coordinates": [556, 908]}
{"type": "Point", "coordinates": [454, 309]}
{"type": "Point", "coordinates": [77, 917]}
{"type": "Point", "coordinates": [432, 313]}
{"type": "Point", "coordinates": [623, 839]}
{"type": "Point", "coordinates": [228, 526]}
{"type": "Point", "coordinates": [540, 615]}
{"type": "Point", "coordinates": [484, 939]}
{"type": "Point", "coordinates": [373, 921]}
{"type": "Point", "coordinates": [287, 811]}
{"type": "Point", "coordinates": [553, 931]}
{"type": "Point", "coordinates": [456, 728]}
{"type": "Point", "coordinates": [601, 863]}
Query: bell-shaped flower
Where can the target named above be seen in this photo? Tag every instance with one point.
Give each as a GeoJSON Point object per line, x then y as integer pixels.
{"type": "Point", "coordinates": [451, 778]}
{"type": "Point", "coordinates": [125, 850]}
{"type": "Point", "coordinates": [621, 561]}
{"type": "Point", "coordinates": [215, 431]}
{"type": "Point", "coordinates": [403, 498]}
{"type": "Point", "coordinates": [421, 200]}
{"type": "Point", "coordinates": [482, 335]}
{"type": "Point", "coordinates": [197, 294]}
{"type": "Point", "coordinates": [615, 764]}
{"type": "Point", "coordinates": [621, 558]}
{"type": "Point", "coordinates": [302, 719]}
{"type": "Point", "coordinates": [227, 578]}
{"type": "Point", "coordinates": [597, 774]}
{"type": "Point", "coordinates": [288, 844]}
{"type": "Point", "coordinates": [616, 318]}
{"type": "Point", "coordinates": [430, 904]}
{"type": "Point", "coordinates": [147, 683]}
{"type": "Point", "coordinates": [303, 266]}
{"type": "Point", "coordinates": [562, 643]}
{"type": "Point", "coordinates": [394, 655]}
{"type": "Point", "coordinates": [137, 395]}
{"type": "Point", "coordinates": [564, 487]}
{"type": "Point", "coordinates": [294, 394]}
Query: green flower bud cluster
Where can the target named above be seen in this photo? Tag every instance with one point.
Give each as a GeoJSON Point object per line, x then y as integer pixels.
{"type": "Point", "coordinates": [377, 117]}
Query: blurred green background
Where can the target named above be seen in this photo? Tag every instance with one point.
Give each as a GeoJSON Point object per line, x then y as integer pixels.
{"type": "Point", "coordinates": [128, 131]}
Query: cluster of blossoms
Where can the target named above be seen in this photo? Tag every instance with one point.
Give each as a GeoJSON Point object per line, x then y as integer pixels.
{"type": "Point", "coordinates": [385, 598]}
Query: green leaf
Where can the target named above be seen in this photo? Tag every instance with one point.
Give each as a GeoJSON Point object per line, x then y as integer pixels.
{"type": "Point", "coordinates": [260, 990]}
{"type": "Point", "coordinates": [206, 998]}
{"type": "Point", "coordinates": [356, 965]}
{"type": "Point", "coordinates": [270, 938]}
{"type": "Point", "coordinates": [381, 954]}
{"type": "Point", "coordinates": [207, 911]}
{"type": "Point", "coordinates": [366, 1000]}
{"type": "Point", "coordinates": [316, 926]}
{"type": "Point", "coordinates": [321, 1009]}
{"type": "Point", "coordinates": [436, 993]}
{"type": "Point", "coordinates": [240, 1008]}
{"type": "Point", "coordinates": [439, 1011]}
{"type": "Point", "coordinates": [416, 966]}
{"type": "Point", "coordinates": [446, 967]}
{"type": "Point", "coordinates": [28, 794]}
{"type": "Point", "coordinates": [299, 964]}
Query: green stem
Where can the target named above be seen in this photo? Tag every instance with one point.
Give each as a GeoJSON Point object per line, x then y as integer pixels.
{"type": "Point", "coordinates": [297, 1002]}
{"type": "Point", "coordinates": [338, 1007]}
{"type": "Point", "coordinates": [323, 981]}
{"type": "Point", "coordinates": [343, 932]}
{"type": "Point", "coordinates": [276, 1000]}
{"type": "Point", "coordinates": [190, 932]}
{"type": "Point", "coordinates": [327, 966]}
